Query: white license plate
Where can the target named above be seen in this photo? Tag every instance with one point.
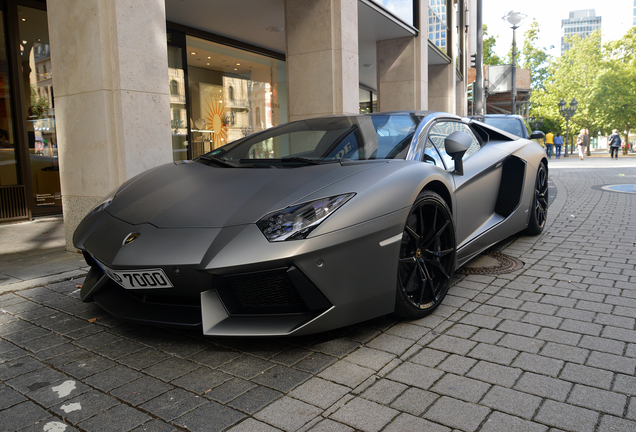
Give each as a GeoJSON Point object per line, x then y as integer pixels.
{"type": "Point", "coordinates": [139, 279]}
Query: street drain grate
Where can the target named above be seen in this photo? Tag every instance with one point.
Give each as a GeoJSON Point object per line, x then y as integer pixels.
{"type": "Point", "coordinates": [490, 263]}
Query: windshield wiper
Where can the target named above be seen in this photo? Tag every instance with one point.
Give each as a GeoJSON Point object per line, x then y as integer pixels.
{"type": "Point", "coordinates": [219, 161]}
{"type": "Point", "coordinates": [309, 161]}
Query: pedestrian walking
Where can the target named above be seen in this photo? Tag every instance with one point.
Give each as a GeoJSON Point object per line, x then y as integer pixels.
{"type": "Point", "coordinates": [558, 142]}
{"type": "Point", "coordinates": [615, 143]}
{"type": "Point", "coordinates": [582, 142]}
{"type": "Point", "coordinates": [549, 142]}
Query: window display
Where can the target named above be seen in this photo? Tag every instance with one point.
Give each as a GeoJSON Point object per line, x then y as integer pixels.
{"type": "Point", "coordinates": [8, 157]}
{"type": "Point", "coordinates": [42, 141]}
{"type": "Point", "coordinates": [232, 94]}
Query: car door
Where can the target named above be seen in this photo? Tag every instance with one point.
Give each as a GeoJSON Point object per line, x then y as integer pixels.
{"type": "Point", "coordinates": [476, 190]}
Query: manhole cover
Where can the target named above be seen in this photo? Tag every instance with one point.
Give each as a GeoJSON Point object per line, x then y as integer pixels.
{"type": "Point", "coordinates": [491, 263]}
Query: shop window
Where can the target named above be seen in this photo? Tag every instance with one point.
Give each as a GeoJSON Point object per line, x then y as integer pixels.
{"type": "Point", "coordinates": [232, 93]}
{"type": "Point", "coordinates": [437, 15]}
{"type": "Point", "coordinates": [403, 9]}
{"type": "Point", "coordinates": [368, 101]}
{"type": "Point", "coordinates": [8, 156]}
{"type": "Point", "coordinates": [40, 116]}
{"type": "Point", "coordinates": [178, 117]}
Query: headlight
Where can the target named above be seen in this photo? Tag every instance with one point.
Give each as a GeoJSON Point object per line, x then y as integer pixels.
{"type": "Point", "coordinates": [296, 222]}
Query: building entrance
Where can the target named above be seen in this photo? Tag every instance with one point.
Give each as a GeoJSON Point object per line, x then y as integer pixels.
{"type": "Point", "coordinates": [39, 117]}
{"type": "Point", "coordinates": [29, 169]}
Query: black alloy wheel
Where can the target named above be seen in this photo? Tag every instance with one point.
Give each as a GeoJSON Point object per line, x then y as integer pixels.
{"type": "Point", "coordinates": [427, 257]}
{"type": "Point", "coordinates": [539, 206]}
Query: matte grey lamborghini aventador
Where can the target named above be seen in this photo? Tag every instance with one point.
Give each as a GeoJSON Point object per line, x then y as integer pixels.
{"type": "Point", "coordinates": [312, 225]}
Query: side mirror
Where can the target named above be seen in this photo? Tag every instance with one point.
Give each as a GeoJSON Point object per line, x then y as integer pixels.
{"type": "Point", "coordinates": [456, 145]}
{"type": "Point", "coordinates": [537, 135]}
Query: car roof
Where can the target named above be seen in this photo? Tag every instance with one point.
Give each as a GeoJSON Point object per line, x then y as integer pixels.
{"type": "Point", "coordinates": [516, 116]}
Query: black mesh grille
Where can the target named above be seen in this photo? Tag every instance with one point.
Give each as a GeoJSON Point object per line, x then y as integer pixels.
{"type": "Point", "coordinates": [164, 300]}
{"type": "Point", "coordinates": [265, 289]}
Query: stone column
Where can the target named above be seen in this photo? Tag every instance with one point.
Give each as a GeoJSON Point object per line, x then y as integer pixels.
{"type": "Point", "coordinates": [110, 75]}
{"type": "Point", "coordinates": [402, 66]}
{"type": "Point", "coordinates": [441, 87]}
{"type": "Point", "coordinates": [322, 57]}
{"type": "Point", "coordinates": [461, 100]}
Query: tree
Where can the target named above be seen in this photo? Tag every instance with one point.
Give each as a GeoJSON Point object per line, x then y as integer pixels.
{"type": "Point", "coordinates": [624, 49]}
{"type": "Point", "coordinates": [533, 58]}
{"type": "Point", "coordinates": [489, 42]}
{"type": "Point", "coordinates": [573, 75]}
{"type": "Point", "coordinates": [39, 105]}
{"type": "Point", "coordinates": [615, 95]}
{"type": "Point", "coordinates": [601, 78]}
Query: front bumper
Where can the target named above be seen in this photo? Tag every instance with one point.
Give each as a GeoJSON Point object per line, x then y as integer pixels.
{"type": "Point", "coordinates": [233, 281]}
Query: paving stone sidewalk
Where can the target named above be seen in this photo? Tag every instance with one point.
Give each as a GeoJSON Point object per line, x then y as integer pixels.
{"type": "Point", "coordinates": [551, 346]}
{"type": "Point", "coordinates": [33, 254]}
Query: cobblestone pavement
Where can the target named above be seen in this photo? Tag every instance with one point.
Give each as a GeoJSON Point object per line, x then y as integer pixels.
{"type": "Point", "coordinates": [551, 346]}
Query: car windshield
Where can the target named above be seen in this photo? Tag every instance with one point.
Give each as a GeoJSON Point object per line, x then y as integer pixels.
{"type": "Point", "coordinates": [508, 124]}
{"type": "Point", "coordinates": [324, 140]}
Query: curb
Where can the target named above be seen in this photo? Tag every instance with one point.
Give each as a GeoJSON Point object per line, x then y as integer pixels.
{"type": "Point", "coordinates": [32, 283]}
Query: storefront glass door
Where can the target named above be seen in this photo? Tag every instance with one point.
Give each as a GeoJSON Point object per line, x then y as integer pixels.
{"type": "Point", "coordinates": [39, 110]}
{"type": "Point", "coordinates": [8, 155]}
{"type": "Point", "coordinates": [178, 111]}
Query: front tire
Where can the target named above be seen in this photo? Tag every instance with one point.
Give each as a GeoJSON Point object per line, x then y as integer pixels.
{"type": "Point", "coordinates": [539, 206]}
{"type": "Point", "coordinates": [427, 257]}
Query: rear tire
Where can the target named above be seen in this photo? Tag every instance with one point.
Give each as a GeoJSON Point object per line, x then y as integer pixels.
{"type": "Point", "coordinates": [539, 206]}
{"type": "Point", "coordinates": [427, 257]}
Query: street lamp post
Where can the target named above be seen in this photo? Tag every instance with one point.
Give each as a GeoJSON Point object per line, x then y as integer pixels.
{"type": "Point", "coordinates": [567, 113]}
{"type": "Point", "coordinates": [515, 19]}
{"type": "Point", "coordinates": [536, 123]}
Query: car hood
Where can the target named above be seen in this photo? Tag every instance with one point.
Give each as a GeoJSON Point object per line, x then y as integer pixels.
{"type": "Point", "coordinates": [198, 195]}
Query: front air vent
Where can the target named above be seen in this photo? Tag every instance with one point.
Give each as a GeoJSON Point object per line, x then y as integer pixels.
{"type": "Point", "coordinates": [265, 289]}
{"type": "Point", "coordinates": [276, 291]}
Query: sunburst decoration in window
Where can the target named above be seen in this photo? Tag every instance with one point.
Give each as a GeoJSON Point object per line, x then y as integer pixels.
{"type": "Point", "coordinates": [214, 116]}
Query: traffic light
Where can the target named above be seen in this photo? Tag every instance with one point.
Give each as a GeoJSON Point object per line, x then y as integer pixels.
{"type": "Point", "coordinates": [471, 92]}
{"type": "Point", "coordinates": [473, 60]}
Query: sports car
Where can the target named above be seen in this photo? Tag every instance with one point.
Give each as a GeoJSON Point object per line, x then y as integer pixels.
{"type": "Point", "coordinates": [312, 225]}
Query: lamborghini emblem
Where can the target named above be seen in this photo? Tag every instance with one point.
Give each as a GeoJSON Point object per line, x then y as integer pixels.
{"type": "Point", "coordinates": [131, 238]}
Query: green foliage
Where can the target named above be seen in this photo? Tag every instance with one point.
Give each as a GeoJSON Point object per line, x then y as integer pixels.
{"type": "Point", "coordinates": [573, 75]}
{"type": "Point", "coordinates": [602, 78]}
{"type": "Point", "coordinates": [614, 101]}
{"type": "Point", "coordinates": [551, 125]}
{"type": "Point", "coordinates": [624, 49]}
{"type": "Point", "coordinates": [615, 97]}
{"type": "Point", "coordinates": [39, 105]}
{"type": "Point", "coordinates": [489, 42]}
{"type": "Point", "coordinates": [533, 58]}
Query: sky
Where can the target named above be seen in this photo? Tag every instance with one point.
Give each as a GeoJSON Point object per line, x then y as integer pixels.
{"type": "Point", "coordinates": [617, 19]}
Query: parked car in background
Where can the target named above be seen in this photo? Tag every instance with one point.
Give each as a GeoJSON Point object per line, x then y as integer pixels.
{"type": "Point", "coordinates": [510, 123]}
